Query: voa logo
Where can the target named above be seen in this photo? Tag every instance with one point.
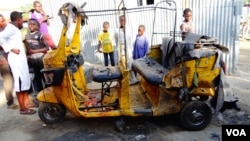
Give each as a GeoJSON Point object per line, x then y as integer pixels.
{"type": "Point", "coordinates": [236, 132]}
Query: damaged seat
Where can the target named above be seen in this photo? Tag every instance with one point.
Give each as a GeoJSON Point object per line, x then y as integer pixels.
{"type": "Point", "coordinates": [106, 75]}
{"type": "Point", "coordinates": [150, 70]}
{"type": "Point", "coordinates": [102, 74]}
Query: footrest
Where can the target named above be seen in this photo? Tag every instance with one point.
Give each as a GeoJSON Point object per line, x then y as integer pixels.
{"type": "Point", "coordinates": [103, 74]}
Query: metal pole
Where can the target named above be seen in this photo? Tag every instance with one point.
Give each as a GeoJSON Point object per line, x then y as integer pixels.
{"type": "Point", "coordinates": [125, 41]}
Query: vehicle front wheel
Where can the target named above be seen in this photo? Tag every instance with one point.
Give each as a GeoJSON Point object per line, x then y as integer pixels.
{"type": "Point", "coordinates": [195, 115]}
{"type": "Point", "coordinates": [51, 113]}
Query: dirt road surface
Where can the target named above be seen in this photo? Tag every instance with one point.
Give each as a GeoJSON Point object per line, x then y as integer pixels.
{"type": "Point", "coordinates": [16, 127]}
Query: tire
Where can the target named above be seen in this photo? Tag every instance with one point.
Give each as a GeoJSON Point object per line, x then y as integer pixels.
{"type": "Point", "coordinates": [195, 115]}
{"type": "Point", "coordinates": [51, 113]}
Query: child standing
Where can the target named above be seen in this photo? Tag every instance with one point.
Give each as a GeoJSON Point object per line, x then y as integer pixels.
{"type": "Point", "coordinates": [141, 45]}
{"type": "Point", "coordinates": [105, 39]}
{"type": "Point", "coordinates": [40, 15]}
{"type": "Point", "coordinates": [125, 47]}
{"type": "Point", "coordinates": [187, 25]}
{"type": "Point", "coordinates": [37, 47]}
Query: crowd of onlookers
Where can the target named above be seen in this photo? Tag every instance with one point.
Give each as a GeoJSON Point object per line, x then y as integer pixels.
{"type": "Point", "coordinates": [22, 51]}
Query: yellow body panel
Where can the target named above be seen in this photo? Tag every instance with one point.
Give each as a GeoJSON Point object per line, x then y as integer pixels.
{"type": "Point", "coordinates": [200, 74]}
{"type": "Point", "coordinates": [204, 68]}
{"type": "Point", "coordinates": [124, 86]}
{"type": "Point", "coordinates": [169, 102]}
{"type": "Point", "coordinates": [48, 95]}
{"type": "Point", "coordinates": [152, 92]}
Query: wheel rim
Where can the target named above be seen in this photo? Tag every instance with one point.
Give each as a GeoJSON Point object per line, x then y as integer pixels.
{"type": "Point", "coordinates": [197, 117]}
{"type": "Point", "coordinates": [51, 112]}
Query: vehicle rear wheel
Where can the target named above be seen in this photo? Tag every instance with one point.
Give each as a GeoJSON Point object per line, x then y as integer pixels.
{"type": "Point", "coordinates": [51, 113]}
{"type": "Point", "coordinates": [195, 115]}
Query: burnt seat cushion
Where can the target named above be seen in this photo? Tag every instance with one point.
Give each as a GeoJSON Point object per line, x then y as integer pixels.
{"type": "Point", "coordinates": [150, 70]}
{"type": "Point", "coordinates": [102, 74]}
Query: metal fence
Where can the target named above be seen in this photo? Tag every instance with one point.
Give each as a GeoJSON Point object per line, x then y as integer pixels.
{"type": "Point", "coordinates": [218, 18]}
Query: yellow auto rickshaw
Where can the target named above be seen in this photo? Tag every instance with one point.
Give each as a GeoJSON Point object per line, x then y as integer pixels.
{"type": "Point", "coordinates": [172, 81]}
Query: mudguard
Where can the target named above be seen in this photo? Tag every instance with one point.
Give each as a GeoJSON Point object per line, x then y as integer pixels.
{"type": "Point", "coordinates": [47, 95]}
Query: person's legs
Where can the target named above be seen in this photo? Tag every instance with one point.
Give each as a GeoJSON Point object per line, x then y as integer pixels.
{"type": "Point", "coordinates": [8, 82]}
{"type": "Point", "coordinates": [28, 103]}
{"type": "Point", "coordinates": [133, 79]}
{"type": "Point", "coordinates": [38, 86]}
{"type": "Point", "coordinates": [38, 77]}
{"type": "Point", "coordinates": [116, 56]}
{"type": "Point", "coordinates": [21, 99]}
{"type": "Point", "coordinates": [37, 81]}
{"type": "Point", "coordinates": [112, 60]}
{"type": "Point", "coordinates": [32, 64]}
{"type": "Point", "coordinates": [106, 63]}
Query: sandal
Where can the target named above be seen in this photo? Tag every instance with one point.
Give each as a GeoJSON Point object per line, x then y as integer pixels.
{"type": "Point", "coordinates": [28, 112]}
{"type": "Point", "coordinates": [33, 105]}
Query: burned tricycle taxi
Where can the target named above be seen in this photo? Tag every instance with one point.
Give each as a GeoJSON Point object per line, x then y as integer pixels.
{"type": "Point", "coordinates": [176, 77]}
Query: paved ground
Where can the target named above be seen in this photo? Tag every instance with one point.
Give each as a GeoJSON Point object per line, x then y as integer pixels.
{"type": "Point", "coordinates": [16, 127]}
